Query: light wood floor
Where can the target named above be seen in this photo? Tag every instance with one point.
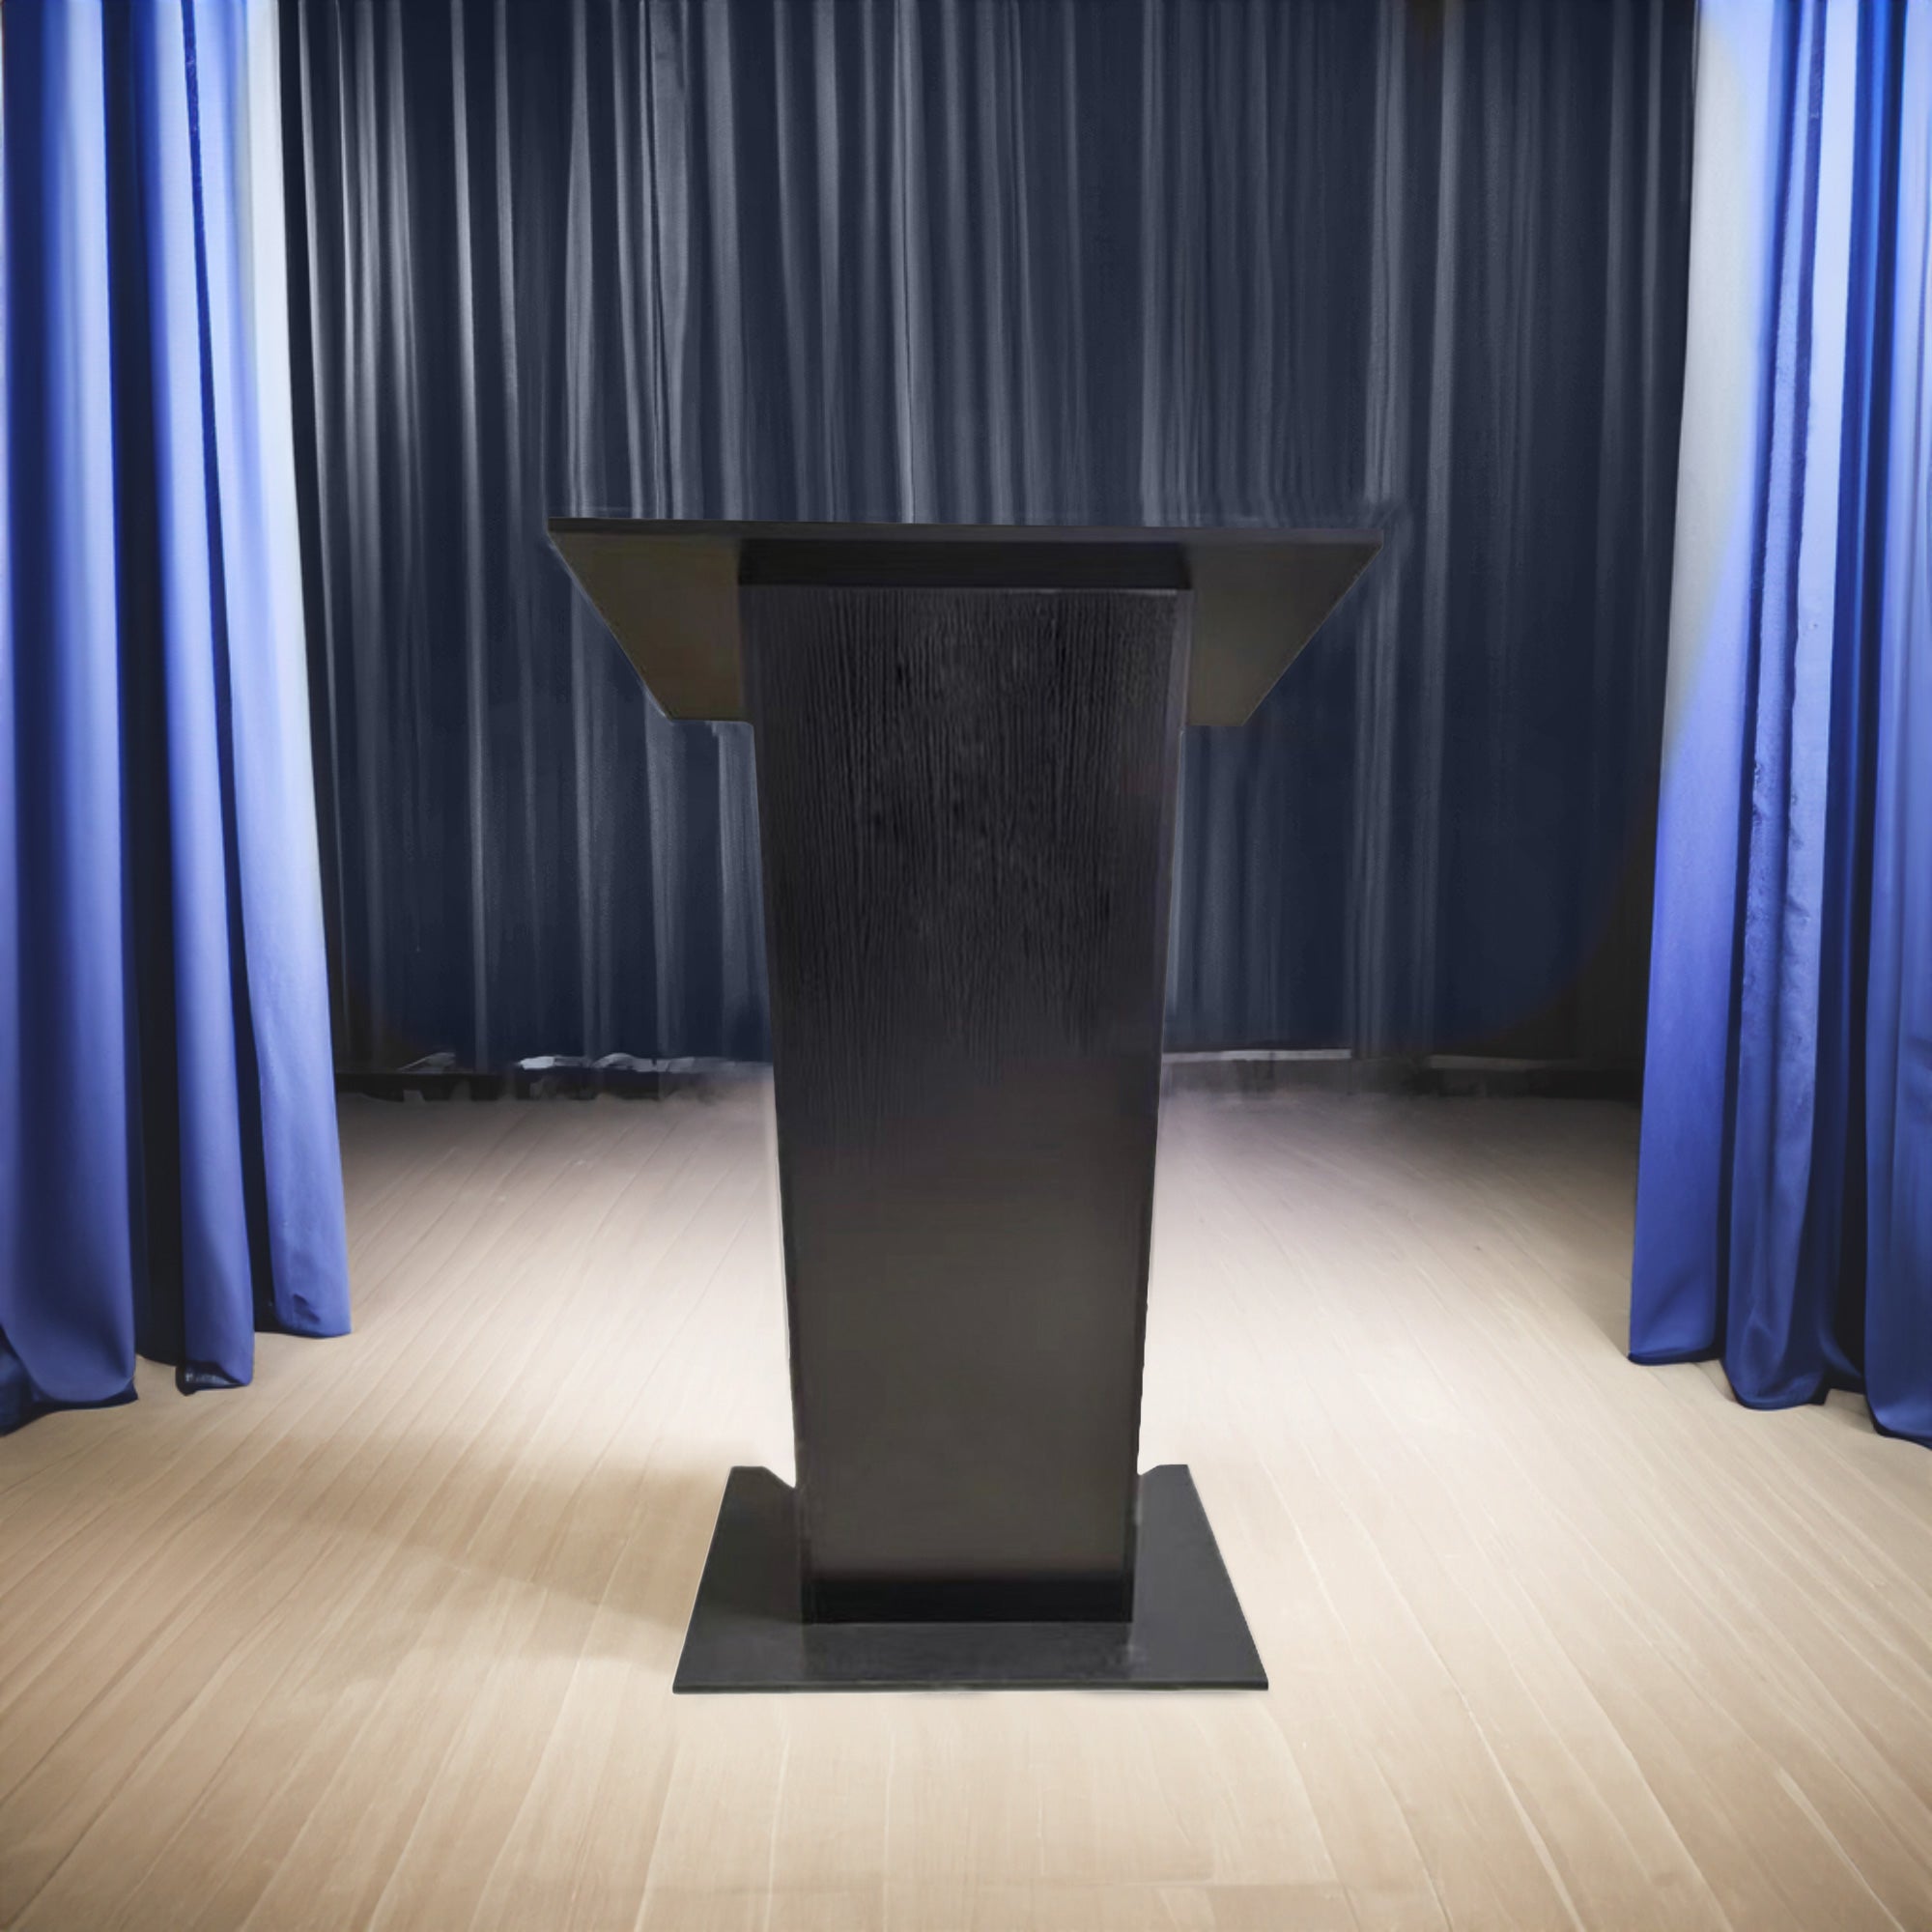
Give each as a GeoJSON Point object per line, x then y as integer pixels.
{"type": "Point", "coordinates": [386, 1639]}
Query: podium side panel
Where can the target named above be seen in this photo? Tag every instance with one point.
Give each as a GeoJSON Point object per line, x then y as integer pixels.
{"type": "Point", "coordinates": [966, 801]}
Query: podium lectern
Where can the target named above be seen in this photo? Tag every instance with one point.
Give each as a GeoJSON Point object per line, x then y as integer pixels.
{"type": "Point", "coordinates": [966, 742]}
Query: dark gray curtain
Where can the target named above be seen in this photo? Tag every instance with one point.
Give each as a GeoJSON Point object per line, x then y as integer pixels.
{"type": "Point", "coordinates": [1115, 261]}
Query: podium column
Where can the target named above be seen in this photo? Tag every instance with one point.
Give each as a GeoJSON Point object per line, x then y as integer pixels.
{"type": "Point", "coordinates": [966, 804]}
{"type": "Point", "coordinates": [967, 748]}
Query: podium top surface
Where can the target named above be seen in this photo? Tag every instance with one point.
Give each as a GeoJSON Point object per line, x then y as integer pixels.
{"type": "Point", "coordinates": [668, 591]}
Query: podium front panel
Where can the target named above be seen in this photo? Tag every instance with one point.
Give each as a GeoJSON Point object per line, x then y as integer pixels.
{"type": "Point", "coordinates": [966, 799]}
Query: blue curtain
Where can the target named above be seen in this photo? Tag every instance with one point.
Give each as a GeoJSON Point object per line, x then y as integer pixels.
{"type": "Point", "coordinates": [1117, 261]}
{"type": "Point", "coordinates": [169, 1180]}
{"type": "Point", "coordinates": [1784, 1206]}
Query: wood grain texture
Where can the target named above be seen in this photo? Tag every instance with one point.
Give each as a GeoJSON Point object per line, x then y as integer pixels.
{"type": "Point", "coordinates": [387, 1640]}
{"type": "Point", "coordinates": [966, 802]}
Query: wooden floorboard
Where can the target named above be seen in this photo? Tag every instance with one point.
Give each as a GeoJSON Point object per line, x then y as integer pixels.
{"type": "Point", "coordinates": [386, 1639]}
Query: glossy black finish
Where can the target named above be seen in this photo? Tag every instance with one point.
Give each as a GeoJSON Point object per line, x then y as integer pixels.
{"type": "Point", "coordinates": [1186, 1630]}
{"type": "Point", "coordinates": [966, 802]}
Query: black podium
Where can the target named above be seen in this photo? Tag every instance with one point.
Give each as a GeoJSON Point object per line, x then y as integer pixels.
{"type": "Point", "coordinates": [967, 742]}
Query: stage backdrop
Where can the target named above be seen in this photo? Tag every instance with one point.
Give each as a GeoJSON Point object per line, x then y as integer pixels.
{"type": "Point", "coordinates": [1109, 261]}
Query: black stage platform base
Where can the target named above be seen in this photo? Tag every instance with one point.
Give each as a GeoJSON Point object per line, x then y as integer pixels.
{"type": "Point", "coordinates": [746, 1631]}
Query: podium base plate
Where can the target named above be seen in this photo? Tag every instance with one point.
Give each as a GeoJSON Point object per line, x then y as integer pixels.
{"type": "Point", "coordinates": [746, 1631]}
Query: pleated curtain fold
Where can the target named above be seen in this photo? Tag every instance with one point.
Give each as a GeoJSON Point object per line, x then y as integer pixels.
{"type": "Point", "coordinates": [1081, 261]}
{"type": "Point", "coordinates": [169, 1174]}
{"type": "Point", "coordinates": [1784, 1206]}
